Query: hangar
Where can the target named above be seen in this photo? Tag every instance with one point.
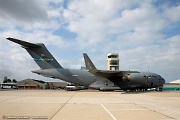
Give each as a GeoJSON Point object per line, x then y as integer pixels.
{"type": "Point", "coordinates": [31, 84]}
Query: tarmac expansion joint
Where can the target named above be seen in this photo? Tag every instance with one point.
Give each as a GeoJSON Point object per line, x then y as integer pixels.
{"type": "Point", "coordinates": [63, 105]}
{"type": "Point", "coordinates": [155, 111]}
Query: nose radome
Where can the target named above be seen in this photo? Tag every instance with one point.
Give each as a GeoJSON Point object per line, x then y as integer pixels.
{"type": "Point", "coordinates": [163, 80]}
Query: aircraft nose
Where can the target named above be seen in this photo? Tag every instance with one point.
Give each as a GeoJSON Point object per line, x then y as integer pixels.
{"type": "Point", "coordinates": [163, 80]}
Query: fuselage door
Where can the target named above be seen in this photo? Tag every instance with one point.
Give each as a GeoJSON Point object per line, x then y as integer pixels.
{"type": "Point", "coordinates": [146, 79]}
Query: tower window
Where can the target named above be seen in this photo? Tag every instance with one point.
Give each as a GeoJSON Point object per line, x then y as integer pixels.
{"type": "Point", "coordinates": [113, 63]}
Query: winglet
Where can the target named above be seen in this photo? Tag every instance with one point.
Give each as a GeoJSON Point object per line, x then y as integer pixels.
{"type": "Point", "coordinates": [88, 62]}
{"type": "Point", "coordinates": [23, 43]}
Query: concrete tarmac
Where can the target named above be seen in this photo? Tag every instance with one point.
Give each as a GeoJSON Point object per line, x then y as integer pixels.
{"type": "Point", "coordinates": [88, 105]}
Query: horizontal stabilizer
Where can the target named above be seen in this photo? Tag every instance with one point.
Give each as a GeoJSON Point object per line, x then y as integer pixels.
{"type": "Point", "coordinates": [39, 53]}
{"type": "Point", "coordinates": [23, 43]}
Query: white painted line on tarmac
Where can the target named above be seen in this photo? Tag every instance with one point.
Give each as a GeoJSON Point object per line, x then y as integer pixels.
{"type": "Point", "coordinates": [108, 112]}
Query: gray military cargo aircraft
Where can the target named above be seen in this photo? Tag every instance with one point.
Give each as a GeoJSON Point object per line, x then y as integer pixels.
{"type": "Point", "coordinates": [91, 76]}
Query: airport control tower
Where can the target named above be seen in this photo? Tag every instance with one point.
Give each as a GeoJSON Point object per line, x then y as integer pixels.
{"type": "Point", "coordinates": [113, 61]}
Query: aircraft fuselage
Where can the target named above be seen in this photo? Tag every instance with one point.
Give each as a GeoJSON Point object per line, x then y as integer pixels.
{"type": "Point", "coordinates": [141, 80]}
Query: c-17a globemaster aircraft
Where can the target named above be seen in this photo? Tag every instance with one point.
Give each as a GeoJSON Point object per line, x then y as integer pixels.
{"type": "Point", "coordinates": [89, 77]}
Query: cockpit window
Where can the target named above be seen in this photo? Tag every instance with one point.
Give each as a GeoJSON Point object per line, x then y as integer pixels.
{"type": "Point", "coordinates": [153, 76]}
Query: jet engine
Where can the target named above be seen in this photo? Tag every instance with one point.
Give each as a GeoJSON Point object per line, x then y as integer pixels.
{"type": "Point", "coordinates": [126, 77]}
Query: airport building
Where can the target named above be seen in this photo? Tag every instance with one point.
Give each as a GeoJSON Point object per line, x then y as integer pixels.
{"type": "Point", "coordinates": [56, 85]}
{"type": "Point", "coordinates": [31, 84]}
{"type": "Point", "coordinates": [172, 86]}
{"type": "Point", "coordinates": [113, 61]}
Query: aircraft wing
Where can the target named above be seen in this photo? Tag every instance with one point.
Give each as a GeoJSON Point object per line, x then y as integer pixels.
{"type": "Point", "coordinates": [110, 74]}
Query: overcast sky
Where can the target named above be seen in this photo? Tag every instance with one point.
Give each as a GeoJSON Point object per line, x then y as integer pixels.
{"type": "Point", "coordinates": [146, 34]}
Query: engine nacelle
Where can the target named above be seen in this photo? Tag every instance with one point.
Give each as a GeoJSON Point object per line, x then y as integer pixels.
{"type": "Point", "coordinates": [134, 77]}
{"type": "Point", "coordinates": [126, 77]}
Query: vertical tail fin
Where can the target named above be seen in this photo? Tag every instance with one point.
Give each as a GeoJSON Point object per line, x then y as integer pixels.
{"type": "Point", "coordinates": [39, 53]}
{"type": "Point", "coordinates": [88, 62]}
